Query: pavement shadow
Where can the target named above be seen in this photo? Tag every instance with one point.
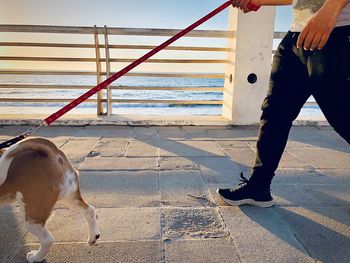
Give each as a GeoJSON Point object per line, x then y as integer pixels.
{"type": "Point", "coordinates": [320, 242]}
{"type": "Point", "coordinates": [11, 236]}
{"type": "Point", "coordinates": [325, 204]}
{"type": "Point", "coordinates": [320, 138]}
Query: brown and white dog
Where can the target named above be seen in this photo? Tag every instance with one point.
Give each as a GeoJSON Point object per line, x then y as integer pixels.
{"type": "Point", "coordinates": [36, 174]}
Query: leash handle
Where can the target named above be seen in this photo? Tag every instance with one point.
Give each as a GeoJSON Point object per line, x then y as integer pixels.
{"type": "Point", "coordinates": [137, 62]}
{"type": "Point", "coordinates": [253, 7]}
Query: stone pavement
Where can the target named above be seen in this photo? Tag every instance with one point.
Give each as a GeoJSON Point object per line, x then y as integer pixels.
{"type": "Point", "coordinates": [155, 193]}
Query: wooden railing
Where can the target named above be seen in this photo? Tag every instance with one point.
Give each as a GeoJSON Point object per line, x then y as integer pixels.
{"type": "Point", "coordinates": [103, 60]}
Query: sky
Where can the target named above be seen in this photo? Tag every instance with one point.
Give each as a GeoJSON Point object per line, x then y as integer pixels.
{"type": "Point", "coordinates": [120, 13]}
{"type": "Point", "coordinates": [116, 13]}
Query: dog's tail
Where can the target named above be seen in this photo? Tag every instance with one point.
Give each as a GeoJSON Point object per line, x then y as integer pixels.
{"type": "Point", "coordinates": [41, 146]}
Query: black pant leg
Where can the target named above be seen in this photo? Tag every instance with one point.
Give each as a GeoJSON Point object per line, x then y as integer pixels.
{"type": "Point", "coordinates": [288, 92]}
{"type": "Point", "coordinates": [329, 71]}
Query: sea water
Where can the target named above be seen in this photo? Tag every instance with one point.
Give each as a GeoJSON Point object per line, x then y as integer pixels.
{"type": "Point", "coordinates": [310, 112]}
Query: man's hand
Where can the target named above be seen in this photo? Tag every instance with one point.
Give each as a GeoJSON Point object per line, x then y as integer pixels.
{"type": "Point", "coordinates": [316, 32]}
{"type": "Point", "coordinates": [243, 5]}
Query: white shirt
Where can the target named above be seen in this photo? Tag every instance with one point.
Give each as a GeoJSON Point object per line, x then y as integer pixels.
{"type": "Point", "coordinates": [303, 10]}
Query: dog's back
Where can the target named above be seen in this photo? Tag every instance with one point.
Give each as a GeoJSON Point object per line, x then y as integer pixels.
{"type": "Point", "coordinates": [34, 166]}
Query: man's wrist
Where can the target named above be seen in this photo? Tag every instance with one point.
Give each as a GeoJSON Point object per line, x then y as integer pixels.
{"type": "Point", "coordinates": [337, 5]}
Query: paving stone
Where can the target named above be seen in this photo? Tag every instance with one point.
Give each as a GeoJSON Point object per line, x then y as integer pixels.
{"type": "Point", "coordinates": [120, 188]}
{"type": "Point", "coordinates": [319, 138]}
{"type": "Point", "coordinates": [77, 150]}
{"type": "Point", "coordinates": [122, 163]}
{"type": "Point", "coordinates": [11, 234]}
{"type": "Point", "coordinates": [291, 195]}
{"type": "Point", "coordinates": [51, 132]}
{"type": "Point", "coordinates": [193, 133]}
{"type": "Point", "coordinates": [183, 188]}
{"type": "Point", "coordinates": [219, 170]}
{"type": "Point", "coordinates": [198, 251]}
{"type": "Point", "coordinates": [59, 135]}
{"type": "Point", "coordinates": [341, 176]}
{"type": "Point", "coordinates": [189, 148]}
{"type": "Point", "coordinates": [296, 144]}
{"type": "Point", "coordinates": [328, 194]}
{"type": "Point", "coordinates": [141, 149]}
{"type": "Point", "coordinates": [108, 147]}
{"type": "Point", "coordinates": [177, 163]}
{"type": "Point", "coordinates": [143, 133]}
{"type": "Point", "coordinates": [176, 134]}
{"type": "Point", "coordinates": [326, 239]}
{"type": "Point", "coordinates": [301, 176]}
{"type": "Point", "coordinates": [232, 144]}
{"type": "Point", "coordinates": [241, 156]}
{"type": "Point", "coordinates": [115, 132]}
{"type": "Point", "coordinates": [261, 235]}
{"type": "Point", "coordinates": [249, 134]}
{"type": "Point", "coordinates": [323, 158]}
{"type": "Point", "coordinates": [309, 134]}
{"type": "Point", "coordinates": [115, 224]}
{"type": "Point", "coordinates": [193, 224]}
{"type": "Point", "coordinates": [288, 160]}
{"type": "Point", "coordinates": [128, 252]}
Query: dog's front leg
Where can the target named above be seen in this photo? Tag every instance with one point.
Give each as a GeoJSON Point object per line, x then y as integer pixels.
{"type": "Point", "coordinates": [45, 238]}
{"type": "Point", "coordinates": [77, 203]}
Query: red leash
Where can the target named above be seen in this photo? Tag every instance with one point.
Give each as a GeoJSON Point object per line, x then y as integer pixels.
{"type": "Point", "coordinates": [122, 72]}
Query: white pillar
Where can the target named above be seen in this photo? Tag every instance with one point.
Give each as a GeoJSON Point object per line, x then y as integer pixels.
{"type": "Point", "coordinates": [252, 53]}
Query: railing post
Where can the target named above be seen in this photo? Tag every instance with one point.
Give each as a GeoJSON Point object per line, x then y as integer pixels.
{"type": "Point", "coordinates": [108, 72]}
{"type": "Point", "coordinates": [252, 53]}
{"type": "Point", "coordinates": [98, 73]}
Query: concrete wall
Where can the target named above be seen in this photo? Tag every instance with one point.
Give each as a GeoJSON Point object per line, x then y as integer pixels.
{"type": "Point", "coordinates": [252, 52]}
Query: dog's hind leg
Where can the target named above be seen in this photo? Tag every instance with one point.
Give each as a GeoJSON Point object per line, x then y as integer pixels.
{"type": "Point", "coordinates": [37, 211]}
{"type": "Point", "coordinates": [46, 241]}
{"type": "Point", "coordinates": [77, 203]}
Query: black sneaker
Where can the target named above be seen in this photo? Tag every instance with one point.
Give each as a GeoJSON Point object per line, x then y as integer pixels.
{"type": "Point", "coordinates": [246, 193]}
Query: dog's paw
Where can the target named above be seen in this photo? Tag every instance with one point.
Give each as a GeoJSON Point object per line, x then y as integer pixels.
{"type": "Point", "coordinates": [92, 240]}
{"type": "Point", "coordinates": [31, 257]}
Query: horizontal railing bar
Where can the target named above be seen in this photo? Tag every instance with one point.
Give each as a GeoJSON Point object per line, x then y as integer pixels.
{"type": "Point", "coordinates": [60, 59]}
{"type": "Point", "coordinates": [26, 100]}
{"type": "Point", "coordinates": [178, 48]}
{"type": "Point", "coordinates": [191, 102]}
{"type": "Point", "coordinates": [61, 45]}
{"type": "Point", "coordinates": [118, 60]}
{"type": "Point", "coordinates": [124, 101]}
{"type": "Point", "coordinates": [213, 89]}
{"type": "Point", "coordinates": [43, 86]}
{"type": "Point", "coordinates": [35, 44]}
{"type": "Point", "coordinates": [113, 31]}
{"type": "Point", "coordinates": [177, 75]}
{"type": "Point", "coordinates": [120, 31]}
{"type": "Point", "coordinates": [136, 74]}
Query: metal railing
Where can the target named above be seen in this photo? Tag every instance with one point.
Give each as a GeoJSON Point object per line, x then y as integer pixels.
{"type": "Point", "coordinates": [103, 62]}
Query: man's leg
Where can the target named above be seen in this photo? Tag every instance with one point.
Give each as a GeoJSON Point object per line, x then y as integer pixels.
{"type": "Point", "coordinates": [288, 91]}
{"type": "Point", "coordinates": [330, 71]}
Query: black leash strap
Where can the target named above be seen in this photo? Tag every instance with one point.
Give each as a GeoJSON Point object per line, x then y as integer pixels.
{"type": "Point", "coordinates": [20, 137]}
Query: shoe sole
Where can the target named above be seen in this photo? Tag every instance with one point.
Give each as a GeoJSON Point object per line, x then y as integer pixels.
{"type": "Point", "coordinates": [247, 202]}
